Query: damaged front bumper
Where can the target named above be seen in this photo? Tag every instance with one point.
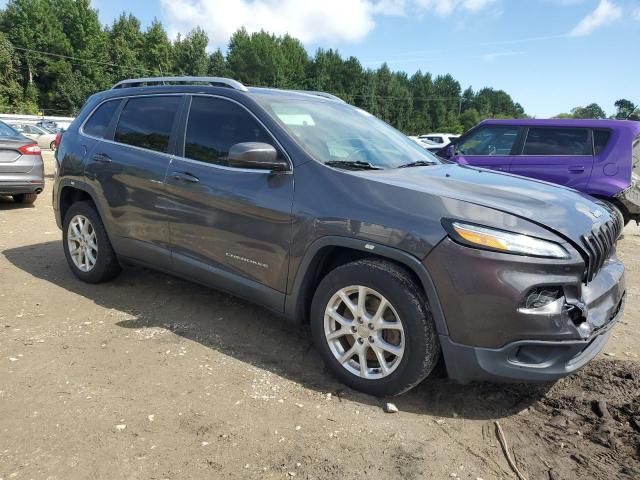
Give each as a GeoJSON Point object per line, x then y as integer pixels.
{"type": "Point", "coordinates": [630, 198]}
{"type": "Point", "coordinates": [492, 334]}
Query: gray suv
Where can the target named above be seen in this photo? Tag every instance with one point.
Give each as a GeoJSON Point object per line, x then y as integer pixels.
{"type": "Point", "coordinates": [324, 214]}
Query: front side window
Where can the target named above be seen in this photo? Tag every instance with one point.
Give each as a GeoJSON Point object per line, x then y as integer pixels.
{"type": "Point", "coordinates": [99, 121]}
{"type": "Point", "coordinates": [489, 140]}
{"type": "Point", "coordinates": [215, 125]}
{"type": "Point", "coordinates": [146, 122]}
{"type": "Point", "coordinates": [557, 141]}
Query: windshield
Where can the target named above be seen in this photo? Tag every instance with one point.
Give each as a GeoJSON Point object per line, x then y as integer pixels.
{"type": "Point", "coordinates": [339, 134]}
{"type": "Point", "coordinates": [7, 131]}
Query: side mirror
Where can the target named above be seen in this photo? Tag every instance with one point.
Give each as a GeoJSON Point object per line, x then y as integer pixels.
{"type": "Point", "coordinates": [256, 155]}
{"type": "Point", "coordinates": [450, 151]}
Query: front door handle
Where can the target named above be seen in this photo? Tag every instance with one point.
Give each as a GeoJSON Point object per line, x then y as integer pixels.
{"type": "Point", "coordinates": [185, 177]}
{"type": "Point", "coordinates": [576, 169]}
{"type": "Point", "coordinates": [102, 158]}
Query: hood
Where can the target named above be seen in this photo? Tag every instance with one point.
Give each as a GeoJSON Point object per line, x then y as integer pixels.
{"type": "Point", "coordinates": [562, 210]}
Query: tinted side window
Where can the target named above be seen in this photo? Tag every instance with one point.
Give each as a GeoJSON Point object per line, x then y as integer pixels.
{"type": "Point", "coordinates": [489, 140]}
{"type": "Point", "coordinates": [215, 125]}
{"type": "Point", "coordinates": [97, 124]}
{"type": "Point", "coordinates": [600, 140]}
{"type": "Point", "coordinates": [557, 141]}
{"type": "Point", "coordinates": [146, 122]}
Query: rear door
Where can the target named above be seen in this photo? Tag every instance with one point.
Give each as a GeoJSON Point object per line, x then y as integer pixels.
{"type": "Point", "coordinates": [557, 154]}
{"type": "Point", "coordinates": [489, 146]}
{"type": "Point", "coordinates": [230, 227]}
{"type": "Point", "coordinates": [128, 169]}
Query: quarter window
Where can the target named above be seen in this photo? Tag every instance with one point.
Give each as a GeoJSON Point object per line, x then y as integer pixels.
{"type": "Point", "coordinates": [147, 122]}
{"type": "Point", "coordinates": [600, 140]}
{"type": "Point", "coordinates": [490, 140]}
{"type": "Point", "coordinates": [215, 125]}
{"type": "Point", "coordinates": [99, 121]}
{"type": "Point", "coordinates": [557, 141]}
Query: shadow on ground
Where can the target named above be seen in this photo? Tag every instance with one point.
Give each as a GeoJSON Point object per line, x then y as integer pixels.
{"type": "Point", "coordinates": [7, 203]}
{"type": "Point", "coordinates": [253, 335]}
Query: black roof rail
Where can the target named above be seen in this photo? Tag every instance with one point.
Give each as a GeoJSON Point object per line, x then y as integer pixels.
{"type": "Point", "coordinates": [213, 81]}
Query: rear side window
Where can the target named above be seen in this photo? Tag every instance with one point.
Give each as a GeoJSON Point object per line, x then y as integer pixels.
{"type": "Point", "coordinates": [215, 125]}
{"type": "Point", "coordinates": [489, 140]}
{"type": "Point", "coordinates": [99, 121]}
{"type": "Point", "coordinates": [7, 131]}
{"type": "Point", "coordinates": [600, 140]}
{"type": "Point", "coordinates": [557, 141]}
{"type": "Point", "coordinates": [147, 122]}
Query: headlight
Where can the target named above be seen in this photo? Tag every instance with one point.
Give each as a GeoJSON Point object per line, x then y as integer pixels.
{"type": "Point", "coordinates": [503, 241]}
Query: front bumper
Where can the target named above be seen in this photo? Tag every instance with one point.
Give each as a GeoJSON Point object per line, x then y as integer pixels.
{"type": "Point", "coordinates": [630, 198]}
{"type": "Point", "coordinates": [490, 336]}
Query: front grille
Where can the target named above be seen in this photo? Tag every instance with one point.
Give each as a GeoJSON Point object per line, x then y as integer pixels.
{"type": "Point", "coordinates": [598, 245]}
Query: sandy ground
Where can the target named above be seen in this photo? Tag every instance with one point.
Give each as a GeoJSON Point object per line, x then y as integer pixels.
{"type": "Point", "coordinates": [151, 377]}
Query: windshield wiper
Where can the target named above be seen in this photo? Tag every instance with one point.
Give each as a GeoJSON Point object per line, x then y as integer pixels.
{"type": "Point", "coordinates": [352, 164]}
{"type": "Point", "coordinates": [420, 163]}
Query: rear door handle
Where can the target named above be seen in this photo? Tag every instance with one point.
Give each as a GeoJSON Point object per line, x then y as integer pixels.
{"type": "Point", "coordinates": [576, 169]}
{"type": "Point", "coordinates": [185, 177]}
{"type": "Point", "coordinates": [102, 158]}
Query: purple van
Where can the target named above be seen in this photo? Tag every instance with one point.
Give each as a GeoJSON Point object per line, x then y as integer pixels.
{"type": "Point", "coordinates": [597, 157]}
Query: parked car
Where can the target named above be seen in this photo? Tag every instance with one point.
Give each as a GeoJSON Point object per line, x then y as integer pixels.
{"type": "Point", "coordinates": [427, 145]}
{"type": "Point", "coordinates": [21, 166]}
{"type": "Point", "coordinates": [45, 138]}
{"type": "Point", "coordinates": [392, 256]}
{"type": "Point", "coordinates": [56, 142]}
{"type": "Point", "coordinates": [48, 125]}
{"type": "Point", "coordinates": [441, 139]}
{"type": "Point", "coordinates": [597, 157]}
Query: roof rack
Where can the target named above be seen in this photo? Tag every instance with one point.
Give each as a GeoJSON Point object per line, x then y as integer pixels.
{"type": "Point", "coordinates": [321, 94]}
{"type": "Point", "coordinates": [213, 81]}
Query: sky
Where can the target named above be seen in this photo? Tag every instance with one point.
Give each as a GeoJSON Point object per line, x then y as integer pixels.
{"type": "Point", "coordinates": [550, 55]}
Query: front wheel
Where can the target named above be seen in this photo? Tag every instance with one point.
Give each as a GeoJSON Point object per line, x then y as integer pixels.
{"type": "Point", "coordinates": [373, 327]}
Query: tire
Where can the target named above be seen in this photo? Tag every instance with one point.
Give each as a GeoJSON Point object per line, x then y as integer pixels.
{"type": "Point", "coordinates": [415, 338]}
{"type": "Point", "coordinates": [25, 198]}
{"type": "Point", "coordinates": [95, 265]}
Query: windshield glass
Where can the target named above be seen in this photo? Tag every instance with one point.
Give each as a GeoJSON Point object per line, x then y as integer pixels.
{"type": "Point", "coordinates": [336, 132]}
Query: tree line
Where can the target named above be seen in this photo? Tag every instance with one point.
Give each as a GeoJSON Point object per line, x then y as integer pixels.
{"type": "Point", "coordinates": [55, 53]}
{"type": "Point", "coordinates": [625, 110]}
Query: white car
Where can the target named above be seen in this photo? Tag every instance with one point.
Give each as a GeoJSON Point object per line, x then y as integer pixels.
{"type": "Point", "coordinates": [44, 137]}
{"type": "Point", "coordinates": [427, 144]}
{"type": "Point", "coordinates": [441, 139]}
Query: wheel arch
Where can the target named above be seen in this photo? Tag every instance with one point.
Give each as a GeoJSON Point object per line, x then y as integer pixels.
{"type": "Point", "coordinates": [72, 191]}
{"type": "Point", "coordinates": [327, 253]}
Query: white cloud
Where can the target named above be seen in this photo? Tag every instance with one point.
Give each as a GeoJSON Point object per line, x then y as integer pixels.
{"type": "Point", "coordinates": [605, 13]}
{"type": "Point", "coordinates": [447, 7]}
{"type": "Point", "coordinates": [308, 20]}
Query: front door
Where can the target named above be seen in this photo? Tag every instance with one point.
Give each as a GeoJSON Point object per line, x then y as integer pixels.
{"type": "Point", "coordinates": [488, 146]}
{"type": "Point", "coordinates": [230, 227]}
{"type": "Point", "coordinates": [558, 155]}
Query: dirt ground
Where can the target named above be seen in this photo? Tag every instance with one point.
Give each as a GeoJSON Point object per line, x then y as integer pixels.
{"type": "Point", "coordinates": [151, 377]}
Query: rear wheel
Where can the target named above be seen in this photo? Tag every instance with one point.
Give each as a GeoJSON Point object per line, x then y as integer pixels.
{"type": "Point", "coordinates": [25, 198]}
{"type": "Point", "coordinates": [373, 327]}
{"type": "Point", "coordinates": [86, 245]}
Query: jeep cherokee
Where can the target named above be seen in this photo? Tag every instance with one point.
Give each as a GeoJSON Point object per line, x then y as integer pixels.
{"type": "Point", "coordinates": [324, 214]}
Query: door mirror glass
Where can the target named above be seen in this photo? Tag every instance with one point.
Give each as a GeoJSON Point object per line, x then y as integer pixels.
{"type": "Point", "coordinates": [256, 155]}
{"type": "Point", "coordinates": [450, 151]}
